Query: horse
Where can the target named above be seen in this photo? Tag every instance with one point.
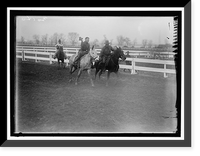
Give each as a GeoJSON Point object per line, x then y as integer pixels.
{"type": "Point", "coordinates": [112, 65]}
{"type": "Point", "coordinates": [85, 64]}
{"type": "Point", "coordinates": [60, 55]}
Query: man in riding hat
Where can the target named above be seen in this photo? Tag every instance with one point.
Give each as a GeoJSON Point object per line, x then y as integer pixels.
{"type": "Point", "coordinates": [105, 54]}
{"type": "Point", "coordinates": [59, 47]}
{"type": "Point", "coordinates": [85, 48]}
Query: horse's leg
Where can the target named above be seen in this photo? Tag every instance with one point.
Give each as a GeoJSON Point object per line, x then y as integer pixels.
{"type": "Point", "coordinates": [61, 63]}
{"type": "Point", "coordinates": [58, 64]}
{"type": "Point", "coordinates": [108, 76]}
{"type": "Point", "coordinates": [79, 74]}
{"type": "Point", "coordinates": [96, 73]}
{"type": "Point", "coordinates": [96, 65]}
{"type": "Point", "coordinates": [101, 71]}
{"type": "Point", "coordinates": [89, 73]}
{"type": "Point", "coordinates": [97, 70]}
{"type": "Point", "coordinates": [70, 72]}
{"type": "Point", "coordinates": [72, 69]}
{"type": "Point", "coordinates": [63, 66]}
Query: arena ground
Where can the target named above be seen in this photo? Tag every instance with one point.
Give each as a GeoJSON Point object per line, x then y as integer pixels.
{"type": "Point", "coordinates": [47, 102]}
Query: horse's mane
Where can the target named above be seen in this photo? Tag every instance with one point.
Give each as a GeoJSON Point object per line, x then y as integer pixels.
{"type": "Point", "coordinates": [116, 52]}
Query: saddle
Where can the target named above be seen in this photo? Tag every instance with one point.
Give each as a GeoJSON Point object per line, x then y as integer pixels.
{"type": "Point", "coordinates": [77, 59]}
{"type": "Point", "coordinates": [105, 59]}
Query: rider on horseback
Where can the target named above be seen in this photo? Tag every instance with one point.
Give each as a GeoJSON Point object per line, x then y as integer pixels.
{"type": "Point", "coordinates": [59, 47]}
{"type": "Point", "coordinates": [85, 48]}
{"type": "Point", "coordinates": [105, 54]}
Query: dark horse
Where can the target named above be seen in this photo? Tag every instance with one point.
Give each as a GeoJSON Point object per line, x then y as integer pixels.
{"type": "Point", "coordinates": [60, 55]}
{"type": "Point", "coordinates": [112, 65]}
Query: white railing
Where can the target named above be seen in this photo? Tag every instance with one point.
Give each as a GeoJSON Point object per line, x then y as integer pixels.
{"type": "Point", "coordinates": [132, 53]}
{"type": "Point", "coordinates": [46, 54]}
{"type": "Point", "coordinates": [135, 68]}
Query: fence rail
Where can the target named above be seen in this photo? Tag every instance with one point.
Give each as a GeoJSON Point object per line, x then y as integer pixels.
{"type": "Point", "coordinates": [132, 53]}
{"type": "Point", "coordinates": [46, 54]}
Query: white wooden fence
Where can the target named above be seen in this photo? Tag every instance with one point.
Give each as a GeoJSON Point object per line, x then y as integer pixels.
{"type": "Point", "coordinates": [47, 53]}
{"type": "Point", "coordinates": [135, 68]}
{"type": "Point", "coordinates": [132, 53]}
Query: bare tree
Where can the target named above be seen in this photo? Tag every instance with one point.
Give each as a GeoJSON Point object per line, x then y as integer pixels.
{"type": "Point", "coordinates": [127, 41]}
{"type": "Point", "coordinates": [36, 39]}
{"type": "Point", "coordinates": [103, 41]}
{"type": "Point", "coordinates": [105, 38]}
{"type": "Point", "coordinates": [44, 39]}
{"type": "Point", "coordinates": [134, 42]}
{"type": "Point", "coordinates": [62, 38]}
{"type": "Point", "coordinates": [55, 38]}
{"type": "Point", "coordinates": [22, 39]}
{"type": "Point", "coordinates": [120, 40]}
{"type": "Point", "coordinates": [150, 43]}
{"type": "Point", "coordinates": [95, 42]}
{"type": "Point", "coordinates": [144, 43]}
{"type": "Point", "coordinates": [51, 41]}
{"type": "Point", "coordinates": [73, 38]}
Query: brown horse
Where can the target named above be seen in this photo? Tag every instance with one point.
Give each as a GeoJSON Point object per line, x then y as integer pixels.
{"type": "Point", "coordinates": [112, 65]}
{"type": "Point", "coordinates": [85, 64]}
{"type": "Point", "coordinates": [60, 55]}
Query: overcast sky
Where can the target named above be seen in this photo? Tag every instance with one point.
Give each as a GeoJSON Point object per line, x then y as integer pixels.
{"type": "Point", "coordinates": [156, 29]}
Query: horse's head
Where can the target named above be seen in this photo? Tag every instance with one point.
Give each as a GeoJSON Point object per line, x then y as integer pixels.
{"type": "Point", "coordinates": [120, 53]}
{"type": "Point", "coordinates": [93, 52]}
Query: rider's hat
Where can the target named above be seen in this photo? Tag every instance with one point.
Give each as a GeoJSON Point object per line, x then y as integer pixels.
{"type": "Point", "coordinates": [106, 42]}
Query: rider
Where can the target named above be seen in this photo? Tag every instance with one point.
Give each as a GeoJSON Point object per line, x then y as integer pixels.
{"type": "Point", "coordinates": [59, 47]}
{"type": "Point", "coordinates": [105, 54]}
{"type": "Point", "coordinates": [85, 48]}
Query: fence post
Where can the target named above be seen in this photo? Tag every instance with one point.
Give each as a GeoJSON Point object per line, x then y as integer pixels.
{"type": "Point", "coordinates": [23, 55]}
{"type": "Point", "coordinates": [133, 66]}
{"type": "Point", "coordinates": [50, 57]}
{"type": "Point", "coordinates": [165, 67]}
{"type": "Point", "coordinates": [35, 57]}
{"type": "Point", "coordinates": [67, 61]}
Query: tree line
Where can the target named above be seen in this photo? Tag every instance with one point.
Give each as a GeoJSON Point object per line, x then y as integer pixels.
{"type": "Point", "coordinates": [72, 39]}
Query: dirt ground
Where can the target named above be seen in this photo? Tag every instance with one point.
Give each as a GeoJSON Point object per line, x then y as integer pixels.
{"type": "Point", "coordinates": [47, 102]}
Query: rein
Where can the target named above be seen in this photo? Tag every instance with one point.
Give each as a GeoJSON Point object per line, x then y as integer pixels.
{"type": "Point", "coordinates": [116, 59]}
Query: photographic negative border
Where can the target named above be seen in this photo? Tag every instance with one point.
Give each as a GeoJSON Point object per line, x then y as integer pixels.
{"type": "Point", "coordinates": [127, 137]}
